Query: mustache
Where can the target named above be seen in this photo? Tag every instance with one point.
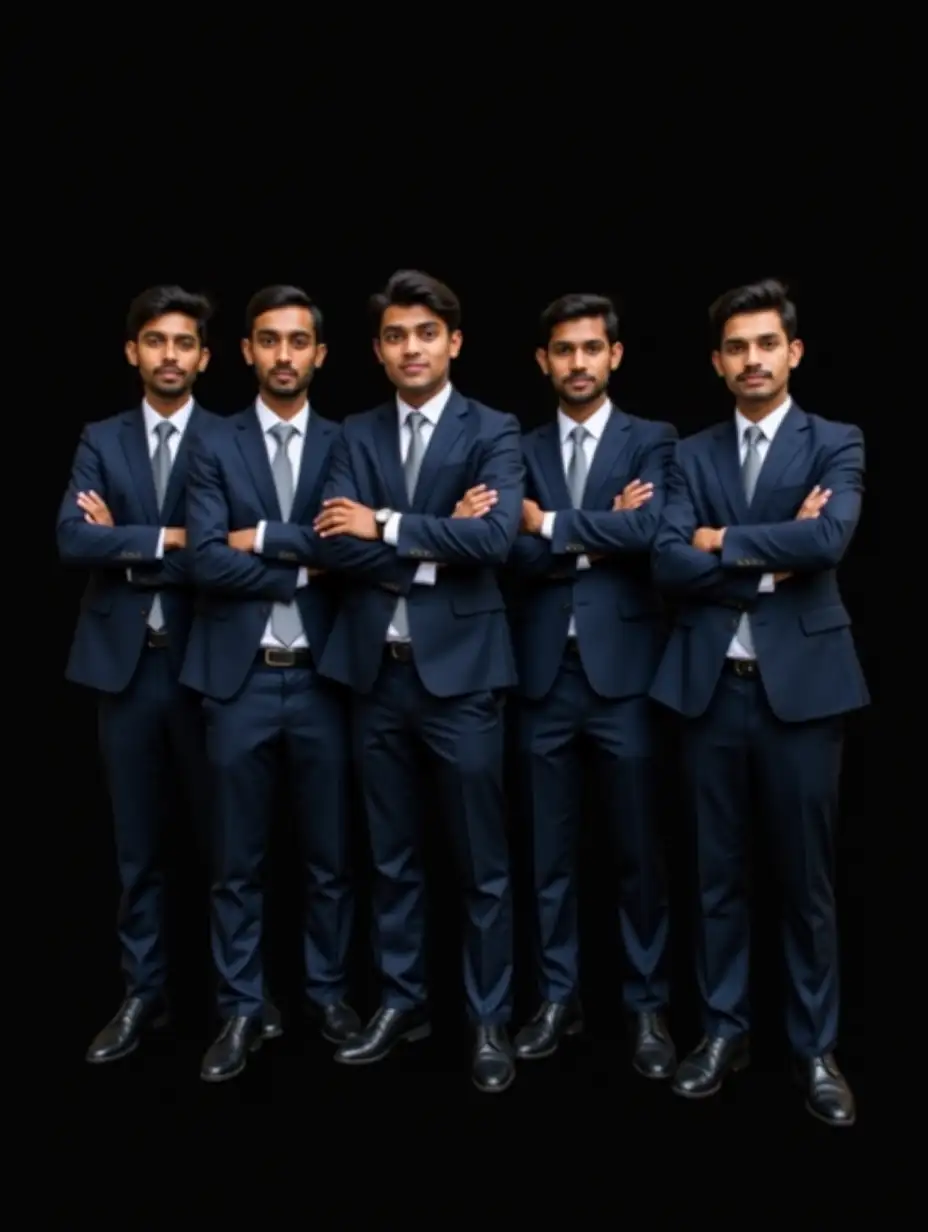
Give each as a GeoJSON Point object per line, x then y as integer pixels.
{"type": "Point", "coordinates": [750, 376]}
{"type": "Point", "coordinates": [168, 370]}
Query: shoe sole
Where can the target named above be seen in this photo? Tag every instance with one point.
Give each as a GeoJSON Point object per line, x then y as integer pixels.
{"type": "Point", "coordinates": [411, 1037]}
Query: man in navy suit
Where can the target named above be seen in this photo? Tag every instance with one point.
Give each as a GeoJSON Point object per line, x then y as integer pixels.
{"type": "Point", "coordinates": [422, 640]}
{"type": "Point", "coordinates": [761, 665]}
{"type": "Point", "coordinates": [254, 650]}
{"type": "Point", "coordinates": [589, 632]}
{"type": "Point", "coordinates": [122, 517]}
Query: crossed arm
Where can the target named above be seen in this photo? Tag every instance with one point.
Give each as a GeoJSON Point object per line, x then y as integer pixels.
{"type": "Point", "coordinates": [726, 564]}
{"type": "Point", "coordinates": [479, 531]}
{"type": "Point", "coordinates": [87, 534]}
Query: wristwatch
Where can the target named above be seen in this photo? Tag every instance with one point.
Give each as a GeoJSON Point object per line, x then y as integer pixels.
{"type": "Point", "coordinates": [382, 517]}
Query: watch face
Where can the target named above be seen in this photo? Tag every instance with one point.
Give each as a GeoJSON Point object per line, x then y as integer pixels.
{"type": "Point", "coordinates": [382, 517]}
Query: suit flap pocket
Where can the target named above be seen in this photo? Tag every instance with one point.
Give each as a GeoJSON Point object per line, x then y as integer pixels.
{"type": "Point", "coordinates": [823, 619]}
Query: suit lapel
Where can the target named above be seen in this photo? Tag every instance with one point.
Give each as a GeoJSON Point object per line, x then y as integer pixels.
{"type": "Point", "coordinates": [254, 450]}
{"type": "Point", "coordinates": [387, 456]}
{"type": "Point", "coordinates": [315, 451]}
{"type": "Point", "coordinates": [551, 464]}
{"type": "Point", "coordinates": [135, 447]}
{"type": "Point", "coordinates": [605, 459]}
{"type": "Point", "coordinates": [780, 452]}
{"type": "Point", "coordinates": [728, 467]}
{"type": "Point", "coordinates": [440, 451]}
{"type": "Point", "coordinates": [178, 476]}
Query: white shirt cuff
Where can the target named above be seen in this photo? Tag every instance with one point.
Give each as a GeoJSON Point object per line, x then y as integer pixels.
{"type": "Point", "coordinates": [583, 562]}
{"type": "Point", "coordinates": [302, 577]}
{"type": "Point", "coordinates": [159, 550]}
{"type": "Point", "coordinates": [547, 525]}
{"type": "Point", "coordinates": [426, 574]}
{"type": "Point", "coordinates": [259, 538]}
{"type": "Point", "coordinates": [767, 584]}
{"type": "Point", "coordinates": [391, 531]}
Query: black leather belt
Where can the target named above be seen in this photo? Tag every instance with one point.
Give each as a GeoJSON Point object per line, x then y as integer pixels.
{"type": "Point", "coordinates": [398, 652]}
{"type": "Point", "coordinates": [747, 669]}
{"type": "Point", "coordinates": [156, 639]}
{"type": "Point", "coordinates": [271, 656]}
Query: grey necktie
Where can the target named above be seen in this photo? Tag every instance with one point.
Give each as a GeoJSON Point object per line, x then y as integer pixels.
{"type": "Point", "coordinates": [416, 421]}
{"type": "Point", "coordinates": [750, 469]}
{"type": "Point", "coordinates": [285, 619]}
{"type": "Point", "coordinates": [576, 466]}
{"type": "Point", "coordinates": [161, 468]}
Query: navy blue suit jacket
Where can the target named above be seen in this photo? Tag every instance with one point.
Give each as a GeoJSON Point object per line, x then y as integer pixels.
{"type": "Point", "coordinates": [802, 631]}
{"type": "Point", "coordinates": [617, 611]}
{"type": "Point", "coordinates": [231, 487]}
{"type": "Point", "coordinates": [458, 627]}
{"type": "Point", "coordinates": [113, 459]}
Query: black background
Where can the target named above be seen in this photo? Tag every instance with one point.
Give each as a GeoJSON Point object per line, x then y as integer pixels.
{"type": "Point", "coordinates": [514, 187]}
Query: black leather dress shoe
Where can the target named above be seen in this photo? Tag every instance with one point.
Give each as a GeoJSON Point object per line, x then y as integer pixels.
{"type": "Point", "coordinates": [272, 1026]}
{"type": "Point", "coordinates": [702, 1073]}
{"type": "Point", "coordinates": [493, 1066]}
{"type": "Point", "coordinates": [654, 1055]}
{"type": "Point", "coordinates": [337, 1022]}
{"type": "Point", "coordinates": [122, 1033]}
{"type": "Point", "coordinates": [228, 1055]}
{"type": "Point", "coordinates": [552, 1022]}
{"type": "Point", "coordinates": [385, 1030]}
{"type": "Point", "coordinates": [828, 1096]}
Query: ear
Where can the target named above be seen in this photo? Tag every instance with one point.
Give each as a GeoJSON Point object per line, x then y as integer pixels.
{"type": "Point", "coordinates": [717, 363]}
{"type": "Point", "coordinates": [796, 352]}
{"type": "Point", "coordinates": [541, 358]}
{"type": "Point", "coordinates": [204, 360]}
{"type": "Point", "coordinates": [455, 343]}
{"type": "Point", "coordinates": [247, 352]}
{"type": "Point", "coordinates": [321, 352]}
{"type": "Point", "coordinates": [615, 357]}
{"type": "Point", "coordinates": [377, 350]}
{"type": "Point", "coordinates": [132, 353]}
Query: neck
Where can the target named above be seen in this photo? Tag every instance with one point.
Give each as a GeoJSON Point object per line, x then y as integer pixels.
{"type": "Point", "coordinates": [417, 398]}
{"type": "Point", "coordinates": [754, 412]}
{"type": "Point", "coordinates": [166, 406]}
{"type": "Point", "coordinates": [580, 414]}
{"type": "Point", "coordinates": [284, 408]}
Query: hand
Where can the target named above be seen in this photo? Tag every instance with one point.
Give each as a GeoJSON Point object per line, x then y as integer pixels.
{"type": "Point", "coordinates": [780, 577]}
{"type": "Point", "coordinates": [174, 537]}
{"type": "Point", "coordinates": [708, 540]}
{"type": "Point", "coordinates": [95, 509]}
{"type": "Point", "coordinates": [341, 516]}
{"type": "Point", "coordinates": [532, 518]}
{"type": "Point", "coordinates": [243, 540]}
{"type": "Point", "coordinates": [315, 572]}
{"type": "Point", "coordinates": [476, 502]}
{"type": "Point", "coordinates": [633, 496]}
{"type": "Point", "coordinates": [814, 503]}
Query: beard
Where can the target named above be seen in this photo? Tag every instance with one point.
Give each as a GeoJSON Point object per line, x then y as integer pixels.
{"type": "Point", "coordinates": [579, 399]}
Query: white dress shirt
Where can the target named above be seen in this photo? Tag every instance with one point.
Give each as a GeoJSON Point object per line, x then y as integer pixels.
{"type": "Point", "coordinates": [268, 419]}
{"type": "Point", "coordinates": [769, 426]}
{"type": "Point", "coordinates": [427, 572]}
{"type": "Point", "coordinates": [595, 427]}
{"type": "Point", "coordinates": [180, 419]}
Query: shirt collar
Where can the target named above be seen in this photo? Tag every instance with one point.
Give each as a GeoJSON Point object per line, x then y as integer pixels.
{"type": "Point", "coordinates": [769, 425]}
{"type": "Point", "coordinates": [595, 425]}
{"type": "Point", "coordinates": [431, 410]}
{"type": "Point", "coordinates": [268, 418]}
{"type": "Point", "coordinates": [179, 418]}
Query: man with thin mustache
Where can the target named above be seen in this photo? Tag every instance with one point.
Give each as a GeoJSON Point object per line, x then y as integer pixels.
{"type": "Point", "coordinates": [122, 518]}
{"type": "Point", "coordinates": [762, 667]}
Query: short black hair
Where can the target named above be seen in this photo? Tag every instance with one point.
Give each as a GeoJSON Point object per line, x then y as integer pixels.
{"type": "Point", "coordinates": [412, 289]}
{"type": "Point", "coordinates": [159, 301]}
{"type": "Point", "coordinates": [770, 294]}
{"type": "Point", "coordinates": [575, 307]}
{"type": "Point", "coordinates": [281, 296]}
